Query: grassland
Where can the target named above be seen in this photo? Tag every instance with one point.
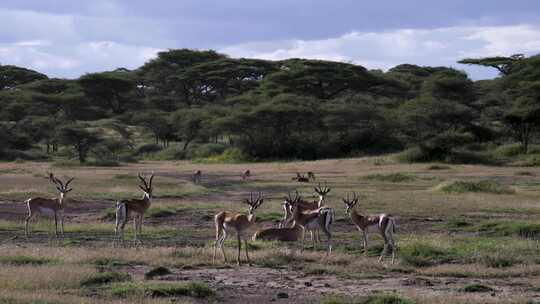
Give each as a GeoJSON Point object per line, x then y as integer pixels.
{"type": "Point", "coordinates": [466, 234]}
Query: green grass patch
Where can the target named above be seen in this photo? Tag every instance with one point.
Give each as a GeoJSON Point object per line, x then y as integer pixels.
{"type": "Point", "coordinates": [111, 262]}
{"type": "Point", "coordinates": [391, 177]}
{"type": "Point", "coordinates": [374, 299]}
{"type": "Point", "coordinates": [269, 216]}
{"type": "Point", "coordinates": [507, 228]}
{"type": "Point", "coordinates": [191, 289]}
{"type": "Point", "coordinates": [107, 277]}
{"type": "Point", "coordinates": [476, 288]}
{"type": "Point", "coordinates": [157, 212]}
{"type": "Point", "coordinates": [419, 254]}
{"type": "Point", "coordinates": [485, 186]}
{"type": "Point", "coordinates": [156, 272]}
{"type": "Point", "coordinates": [26, 260]}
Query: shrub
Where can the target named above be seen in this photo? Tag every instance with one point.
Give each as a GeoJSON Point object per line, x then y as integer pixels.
{"type": "Point", "coordinates": [157, 271]}
{"type": "Point", "coordinates": [230, 155]}
{"type": "Point", "coordinates": [486, 186]}
{"type": "Point", "coordinates": [105, 278]}
{"type": "Point", "coordinates": [413, 155]}
{"type": "Point", "coordinates": [438, 167]}
{"type": "Point", "coordinates": [476, 288]}
{"type": "Point", "coordinates": [206, 150]}
{"type": "Point", "coordinates": [148, 149]}
{"type": "Point", "coordinates": [392, 177]}
{"type": "Point", "coordinates": [510, 150]}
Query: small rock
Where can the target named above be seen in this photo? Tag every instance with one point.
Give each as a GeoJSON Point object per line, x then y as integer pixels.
{"type": "Point", "coordinates": [308, 284]}
{"type": "Point", "coordinates": [327, 285]}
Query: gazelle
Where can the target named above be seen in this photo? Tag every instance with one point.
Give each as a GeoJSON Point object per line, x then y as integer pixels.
{"type": "Point", "coordinates": [51, 207]}
{"type": "Point", "coordinates": [246, 175]}
{"type": "Point", "coordinates": [384, 222]}
{"type": "Point", "coordinates": [300, 178]}
{"type": "Point", "coordinates": [197, 176]}
{"type": "Point", "coordinates": [322, 192]}
{"type": "Point", "coordinates": [311, 175]}
{"type": "Point", "coordinates": [227, 221]}
{"type": "Point", "coordinates": [135, 207]}
{"type": "Point", "coordinates": [287, 208]}
{"type": "Point", "coordinates": [284, 234]}
{"type": "Point", "coordinates": [320, 218]}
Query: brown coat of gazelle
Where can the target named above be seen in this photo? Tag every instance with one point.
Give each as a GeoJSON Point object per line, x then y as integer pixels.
{"type": "Point", "coordinates": [47, 206]}
{"type": "Point", "coordinates": [286, 234]}
{"type": "Point", "coordinates": [227, 221]}
{"type": "Point", "coordinates": [320, 218]}
{"type": "Point", "coordinates": [135, 207]}
{"type": "Point", "coordinates": [385, 223]}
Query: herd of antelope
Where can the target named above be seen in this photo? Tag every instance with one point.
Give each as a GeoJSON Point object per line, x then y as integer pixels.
{"type": "Point", "coordinates": [299, 216]}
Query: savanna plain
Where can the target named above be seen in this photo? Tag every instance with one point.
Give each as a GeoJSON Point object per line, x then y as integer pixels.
{"type": "Point", "coordinates": [464, 234]}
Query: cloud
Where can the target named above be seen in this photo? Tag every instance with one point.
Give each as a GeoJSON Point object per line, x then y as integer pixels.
{"type": "Point", "coordinates": [383, 50]}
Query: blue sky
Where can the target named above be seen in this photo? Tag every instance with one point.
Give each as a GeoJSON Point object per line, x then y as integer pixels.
{"type": "Point", "coordinates": [66, 38]}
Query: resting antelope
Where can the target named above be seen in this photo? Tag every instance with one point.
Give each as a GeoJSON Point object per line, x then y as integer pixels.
{"type": "Point", "coordinates": [384, 222]}
{"type": "Point", "coordinates": [320, 218]}
{"type": "Point", "coordinates": [300, 178]}
{"type": "Point", "coordinates": [47, 206]}
{"type": "Point", "coordinates": [197, 176]}
{"type": "Point", "coordinates": [135, 207]}
{"type": "Point", "coordinates": [246, 175]}
{"type": "Point", "coordinates": [227, 221]}
{"type": "Point", "coordinates": [286, 234]}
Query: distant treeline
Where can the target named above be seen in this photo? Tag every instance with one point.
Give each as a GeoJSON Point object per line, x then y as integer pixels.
{"type": "Point", "coordinates": [190, 104]}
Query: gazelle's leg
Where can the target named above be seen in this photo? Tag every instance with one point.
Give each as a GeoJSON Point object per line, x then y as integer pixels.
{"type": "Point", "coordinates": [221, 242]}
{"type": "Point", "coordinates": [135, 219]}
{"type": "Point", "coordinates": [329, 241]}
{"type": "Point", "coordinates": [392, 244]}
{"type": "Point", "coordinates": [26, 224]}
{"type": "Point", "coordinates": [247, 255]}
{"type": "Point", "coordinates": [218, 237]}
{"type": "Point", "coordinates": [55, 225]}
{"type": "Point", "coordinates": [239, 247]}
{"type": "Point", "coordinates": [385, 247]}
{"type": "Point", "coordinates": [62, 223]}
{"type": "Point", "coordinates": [364, 232]}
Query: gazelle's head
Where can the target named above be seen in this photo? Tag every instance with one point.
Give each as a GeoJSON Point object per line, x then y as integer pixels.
{"type": "Point", "coordinates": [62, 187]}
{"type": "Point", "coordinates": [350, 203]}
{"type": "Point", "coordinates": [145, 186]}
{"type": "Point", "coordinates": [322, 191]}
{"type": "Point", "coordinates": [289, 201]}
{"type": "Point", "coordinates": [254, 204]}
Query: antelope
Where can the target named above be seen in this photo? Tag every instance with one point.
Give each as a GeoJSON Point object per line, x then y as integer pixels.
{"type": "Point", "coordinates": [137, 207]}
{"type": "Point", "coordinates": [320, 218]}
{"type": "Point", "coordinates": [197, 176]}
{"type": "Point", "coordinates": [311, 175]}
{"type": "Point", "coordinates": [384, 222]}
{"type": "Point", "coordinates": [287, 208]}
{"type": "Point", "coordinates": [246, 175]}
{"type": "Point", "coordinates": [227, 221]}
{"type": "Point", "coordinates": [284, 234]}
{"type": "Point", "coordinates": [51, 207]}
{"type": "Point", "coordinates": [300, 178]}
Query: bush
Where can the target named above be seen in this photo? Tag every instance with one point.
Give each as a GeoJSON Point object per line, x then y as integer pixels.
{"type": "Point", "coordinates": [486, 186]}
{"type": "Point", "coordinates": [230, 155]}
{"type": "Point", "coordinates": [476, 288]}
{"type": "Point", "coordinates": [148, 149]}
{"type": "Point", "coordinates": [508, 150]}
{"type": "Point", "coordinates": [438, 167]}
{"type": "Point", "coordinates": [105, 278]}
{"type": "Point", "coordinates": [155, 272]}
{"type": "Point", "coordinates": [413, 155]}
{"type": "Point", "coordinates": [206, 150]}
{"type": "Point", "coordinates": [392, 177]}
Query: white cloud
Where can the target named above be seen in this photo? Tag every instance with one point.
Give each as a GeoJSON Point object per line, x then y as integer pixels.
{"type": "Point", "coordinates": [382, 50]}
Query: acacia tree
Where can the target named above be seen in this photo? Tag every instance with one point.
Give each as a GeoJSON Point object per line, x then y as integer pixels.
{"type": "Point", "coordinates": [81, 139]}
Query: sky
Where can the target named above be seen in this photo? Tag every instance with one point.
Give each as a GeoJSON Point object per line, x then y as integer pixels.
{"type": "Point", "coordinates": [68, 38]}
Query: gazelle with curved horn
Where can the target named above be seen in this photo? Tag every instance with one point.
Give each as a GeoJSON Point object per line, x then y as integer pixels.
{"type": "Point", "coordinates": [287, 208]}
{"type": "Point", "coordinates": [51, 207]}
{"type": "Point", "coordinates": [135, 207]}
{"type": "Point", "coordinates": [320, 218]}
{"type": "Point", "coordinates": [384, 222]}
{"type": "Point", "coordinates": [227, 221]}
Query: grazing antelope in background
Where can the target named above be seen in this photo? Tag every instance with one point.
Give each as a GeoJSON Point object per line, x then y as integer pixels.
{"type": "Point", "coordinates": [384, 222]}
{"type": "Point", "coordinates": [135, 207]}
{"type": "Point", "coordinates": [227, 221]}
{"type": "Point", "coordinates": [300, 178]}
{"type": "Point", "coordinates": [311, 175]}
{"type": "Point", "coordinates": [51, 207]}
{"type": "Point", "coordinates": [197, 176]}
{"type": "Point", "coordinates": [320, 218]}
{"type": "Point", "coordinates": [246, 175]}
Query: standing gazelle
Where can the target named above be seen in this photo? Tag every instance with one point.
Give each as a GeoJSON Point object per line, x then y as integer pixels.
{"type": "Point", "coordinates": [384, 222]}
{"type": "Point", "coordinates": [197, 176]}
{"type": "Point", "coordinates": [47, 206]}
{"type": "Point", "coordinates": [137, 207]}
{"type": "Point", "coordinates": [246, 175]}
{"type": "Point", "coordinates": [227, 221]}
